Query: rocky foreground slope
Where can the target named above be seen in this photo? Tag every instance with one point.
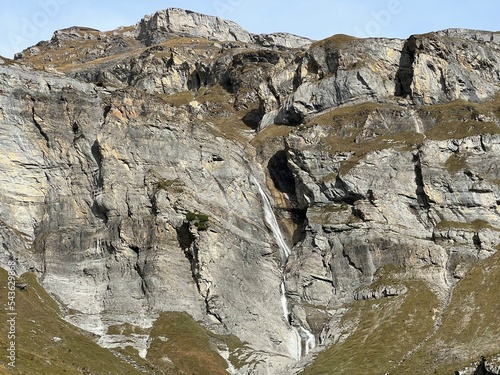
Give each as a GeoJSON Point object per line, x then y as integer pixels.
{"type": "Point", "coordinates": [132, 168]}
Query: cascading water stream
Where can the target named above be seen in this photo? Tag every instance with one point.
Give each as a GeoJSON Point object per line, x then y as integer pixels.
{"type": "Point", "coordinates": [302, 334]}
{"type": "Point", "coordinates": [273, 223]}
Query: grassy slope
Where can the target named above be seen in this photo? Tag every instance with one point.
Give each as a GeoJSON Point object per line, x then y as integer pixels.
{"type": "Point", "coordinates": [470, 327]}
{"type": "Point", "coordinates": [180, 343]}
{"type": "Point", "coordinates": [388, 329]}
{"type": "Point", "coordinates": [38, 322]}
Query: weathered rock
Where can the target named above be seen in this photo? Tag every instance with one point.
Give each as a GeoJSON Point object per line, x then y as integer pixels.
{"type": "Point", "coordinates": [447, 67]}
{"type": "Point", "coordinates": [155, 28]}
{"type": "Point", "coordinates": [99, 186]}
{"type": "Point", "coordinates": [158, 27]}
{"type": "Point", "coordinates": [127, 181]}
{"type": "Point", "coordinates": [484, 367]}
{"type": "Point", "coordinates": [427, 69]}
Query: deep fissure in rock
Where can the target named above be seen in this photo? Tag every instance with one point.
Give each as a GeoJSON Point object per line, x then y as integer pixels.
{"type": "Point", "coordinates": [422, 197]}
{"type": "Point", "coordinates": [284, 181]}
{"type": "Point", "coordinates": [404, 76]}
{"type": "Point", "coordinates": [187, 243]}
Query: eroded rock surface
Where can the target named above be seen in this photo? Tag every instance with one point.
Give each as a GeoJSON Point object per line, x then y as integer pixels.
{"type": "Point", "coordinates": [129, 157]}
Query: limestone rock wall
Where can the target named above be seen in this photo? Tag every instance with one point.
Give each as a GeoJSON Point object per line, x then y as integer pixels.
{"type": "Point", "coordinates": [96, 188]}
{"type": "Point", "coordinates": [126, 177]}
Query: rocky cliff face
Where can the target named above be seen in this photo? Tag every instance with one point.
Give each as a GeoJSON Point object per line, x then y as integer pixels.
{"type": "Point", "coordinates": [129, 185]}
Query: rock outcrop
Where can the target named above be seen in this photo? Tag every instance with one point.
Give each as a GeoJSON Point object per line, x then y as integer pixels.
{"type": "Point", "coordinates": [128, 184]}
{"type": "Point", "coordinates": [157, 27]}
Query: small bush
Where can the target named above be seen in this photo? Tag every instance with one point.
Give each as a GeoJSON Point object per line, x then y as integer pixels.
{"type": "Point", "coordinates": [190, 216]}
{"type": "Point", "coordinates": [201, 226]}
{"type": "Point", "coordinates": [200, 220]}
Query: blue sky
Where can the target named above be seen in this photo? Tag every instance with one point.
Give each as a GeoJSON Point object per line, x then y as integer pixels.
{"type": "Point", "coordinates": [25, 22]}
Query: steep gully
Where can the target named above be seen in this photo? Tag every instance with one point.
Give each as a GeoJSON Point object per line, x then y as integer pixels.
{"type": "Point", "coordinates": [305, 339]}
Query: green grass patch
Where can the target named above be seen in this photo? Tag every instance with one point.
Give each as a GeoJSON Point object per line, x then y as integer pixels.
{"type": "Point", "coordinates": [388, 332]}
{"type": "Point", "coordinates": [453, 120]}
{"type": "Point", "coordinates": [330, 208]}
{"type": "Point", "coordinates": [345, 124]}
{"type": "Point", "coordinates": [456, 163]}
{"type": "Point", "coordinates": [178, 99]}
{"type": "Point", "coordinates": [175, 185]}
{"type": "Point", "coordinates": [349, 114]}
{"type": "Point", "coordinates": [402, 141]}
{"type": "Point", "coordinates": [325, 214]}
{"type": "Point", "coordinates": [270, 133]}
{"type": "Point", "coordinates": [179, 343]}
{"type": "Point", "coordinates": [336, 41]}
{"type": "Point", "coordinates": [459, 119]}
{"type": "Point", "coordinates": [458, 130]}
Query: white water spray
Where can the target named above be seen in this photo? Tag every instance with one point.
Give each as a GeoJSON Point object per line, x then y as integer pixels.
{"type": "Point", "coordinates": [273, 223]}
{"type": "Point", "coordinates": [309, 339]}
{"type": "Point", "coordinates": [284, 303]}
{"type": "Point", "coordinates": [302, 334]}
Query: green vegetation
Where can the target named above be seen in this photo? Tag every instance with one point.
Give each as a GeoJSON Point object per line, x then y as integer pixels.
{"type": "Point", "coordinates": [270, 133]}
{"type": "Point", "coordinates": [227, 119]}
{"type": "Point", "coordinates": [349, 116]}
{"type": "Point", "coordinates": [456, 130]}
{"type": "Point", "coordinates": [335, 41]}
{"type": "Point", "coordinates": [190, 216]}
{"type": "Point", "coordinates": [385, 331]}
{"type": "Point", "coordinates": [331, 208]}
{"type": "Point", "coordinates": [178, 99]}
{"type": "Point", "coordinates": [328, 213]}
{"type": "Point", "coordinates": [201, 226]}
{"type": "Point", "coordinates": [398, 335]}
{"type": "Point", "coordinates": [345, 125]}
{"type": "Point", "coordinates": [181, 344]}
{"type": "Point", "coordinates": [388, 275]}
{"type": "Point", "coordinates": [200, 220]}
{"type": "Point", "coordinates": [345, 128]}
{"type": "Point", "coordinates": [38, 324]}
{"type": "Point", "coordinates": [469, 327]}
{"type": "Point", "coordinates": [219, 110]}
{"type": "Point", "coordinates": [405, 141]}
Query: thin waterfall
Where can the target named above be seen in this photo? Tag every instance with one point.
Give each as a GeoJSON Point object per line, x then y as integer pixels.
{"type": "Point", "coordinates": [284, 302]}
{"type": "Point", "coordinates": [309, 339]}
{"type": "Point", "coordinates": [273, 223]}
{"type": "Point", "coordinates": [302, 333]}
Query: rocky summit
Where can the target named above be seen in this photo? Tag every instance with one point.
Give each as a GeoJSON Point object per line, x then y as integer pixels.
{"type": "Point", "coordinates": [182, 196]}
